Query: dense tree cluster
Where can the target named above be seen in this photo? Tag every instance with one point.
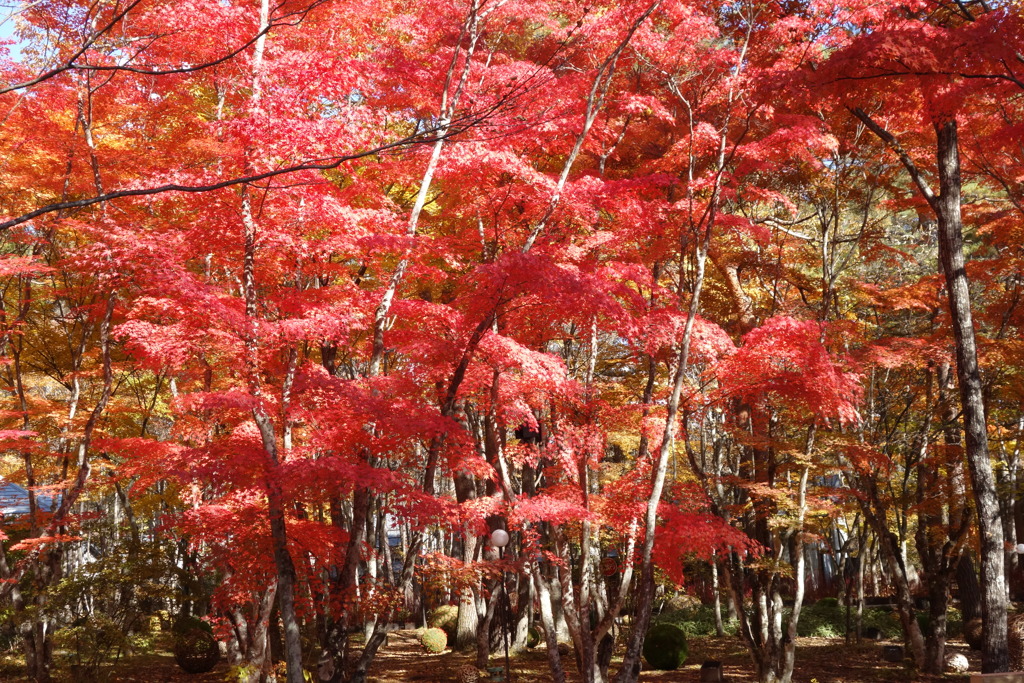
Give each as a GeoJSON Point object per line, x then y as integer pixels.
{"type": "Point", "coordinates": [301, 299]}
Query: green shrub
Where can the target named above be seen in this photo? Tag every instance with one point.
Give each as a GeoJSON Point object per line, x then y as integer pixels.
{"type": "Point", "coordinates": [90, 643]}
{"type": "Point", "coordinates": [954, 622]}
{"type": "Point", "coordinates": [665, 647]}
{"type": "Point", "coordinates": [141, 643]}
{"type": "Point", "coordinates": [124, 586]}
{"type": "Point", "coordinates": [825, 618]}
{"type": "Point", "coordinates": [446, 618]}
{"type": "Point", "coordinates": [697, 621]}
{"type": "Point", "coordinates": [434, 640]}
{"type": "Point", "coordinates": [885, 620]}
{"type": "Point", "coordinates": [185, 623]}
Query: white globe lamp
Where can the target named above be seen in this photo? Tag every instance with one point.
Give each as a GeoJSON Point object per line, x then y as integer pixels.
{"type": "Point", "coordinates": [500, 538]}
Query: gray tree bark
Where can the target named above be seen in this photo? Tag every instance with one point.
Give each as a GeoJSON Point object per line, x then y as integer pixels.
{"type": "Point", "coordinates": [995, 657]}
{"type": "Point", "coordinates": [946, 205]}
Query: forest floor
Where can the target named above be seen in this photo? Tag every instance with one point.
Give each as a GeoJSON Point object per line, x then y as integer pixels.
{"type": "Point", "coordinates": [818, 660]}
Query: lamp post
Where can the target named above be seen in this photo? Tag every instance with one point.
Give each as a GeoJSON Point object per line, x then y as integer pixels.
{"type": "Point", "coordinates": [500, 539]}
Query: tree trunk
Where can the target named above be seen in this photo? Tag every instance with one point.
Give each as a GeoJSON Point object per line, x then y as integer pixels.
{"type": "Point", "coordinates": [968, 588]}
{"type": "Point", "coordinates": [251, 649]}
{"type": "Point", "coordinates": [888, 549]}
{"type": "Point", "coordinates": [946, 205]}
{"type": "Point", "coordinates": [645, 587]}
{"type": "Point", "coordinates": [286, 578]}
{"type": "Point", "coordinates": [788, 659]}
{"type": "Point", "coordinates": [716, 589]}
{"type": "Point", "coordinates": [995, 657]}
{"type": "Point", "coordinates": [548, 622]}
{"type": "Point", "coordinates": [468, 621]}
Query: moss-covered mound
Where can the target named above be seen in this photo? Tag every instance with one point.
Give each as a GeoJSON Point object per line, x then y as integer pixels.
{"type": "Point", "coordinates": [665, 647]}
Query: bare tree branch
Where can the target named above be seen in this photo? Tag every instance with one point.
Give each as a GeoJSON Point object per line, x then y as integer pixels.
{"type": "Point", "coordinates": [292, 18]}
{"type": "Point", "coordinates": [890, 140]}
{"type": "Point", "coordinates": [428, 136]}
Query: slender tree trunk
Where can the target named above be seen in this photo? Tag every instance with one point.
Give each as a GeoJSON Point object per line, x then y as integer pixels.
{"type": "Point", "coordinates": [252, 640]}
{"type": "Point", "coordinates": [889, 551]}
{"type": "Point", "coordinates": [548, 622]}
{"type": "Point", "coordinates": [789, 642]}
{"type": "Point", "coordinates": [719, 626]}
{"type": "Point", "coordinates": [645, 589]}
{"type": "Point", "coordinates": [286, 577]}
{"type": "Point", "coordinates": [966, 577]}
{"type": "Point", "coordinates": [935, 639]}
{"type": "Point", "coordinates": [946, 205]}
{"type": "Point", "coordinates": [995, 657]}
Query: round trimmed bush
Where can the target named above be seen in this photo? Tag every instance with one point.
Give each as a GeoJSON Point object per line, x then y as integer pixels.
{"type": "Point", "coordinates": [446, 618]}
{"type": "Point", "coordinates": [434, 640]}
{"type": "Point", "coordinates": [665, 647]}
{"type": "Point", "coordinates": [195, 649]}
{"type": "Point", "coordinates": [467, 673]}
{"type": "Point", "coordinates": [680, 602]}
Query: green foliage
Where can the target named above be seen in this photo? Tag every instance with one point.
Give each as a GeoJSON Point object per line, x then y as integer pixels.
{"type": "Point", "coordinates": [141, 643]}
{"type": "Point", "coordinates": [954, 622]}
{"type": "Point", "coordinates": [697, 621]}
{"type": "Point", "coordinates": [103, 606]}
{"type": "Point", "coordinates": [665, 647]}
{"type": "Point", "coordinates": [924, 622]}
{"type": "Point", "coordinates": [242, 673]}
{"type": "Point", "coordinates": [186, 623]}
{"type": "Point", "coordinates": [885, 620]}
{"type": "Point", "coordinates": [826, 618]}
{"type": "Point", "coordinates": [446, 618]}
{"type": "Point", "coordinates": [11, 667]}
{"type": "Point", "coordinates": [8, 636]}
{"type": "Point", "coordinates": [89, 643]}
{"type": "Point", "coordinates": [434, 640]}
